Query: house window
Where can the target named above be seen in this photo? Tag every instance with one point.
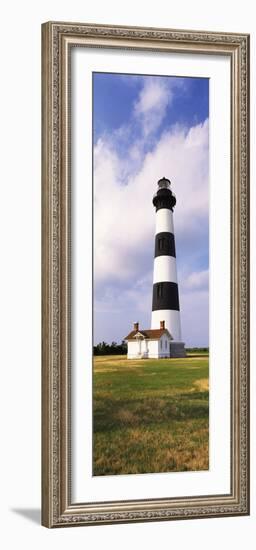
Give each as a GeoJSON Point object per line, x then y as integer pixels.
{"type": "Point", "coordinates": [165, 344]}
{"type": "Point", "coordinates": [161, 344]}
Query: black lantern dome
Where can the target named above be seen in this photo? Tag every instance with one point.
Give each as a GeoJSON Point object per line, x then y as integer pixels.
{"type": "Point", "coordinates": [164, 197]}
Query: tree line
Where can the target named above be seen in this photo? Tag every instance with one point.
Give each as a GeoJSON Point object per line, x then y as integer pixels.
{"type": "Point", "coordinates": [110, 349]}
{"type": "Point", "coordinates": [199, 350]}
{"type": "Point", "coordinates": [121, 349]}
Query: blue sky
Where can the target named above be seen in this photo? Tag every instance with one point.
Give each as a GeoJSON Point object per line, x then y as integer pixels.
{"type": "Point", "coordinates": [146, 127]}
{"type": "Point", "coordinates": [110, 113]}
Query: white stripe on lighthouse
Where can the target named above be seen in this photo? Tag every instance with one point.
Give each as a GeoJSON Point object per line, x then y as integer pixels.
{"type": "Point", "coordinates": [164, 221]}
{"type": "Point", "coordinates": [172, 321]}
{"type": "Point", "coordinates": [165, 269]}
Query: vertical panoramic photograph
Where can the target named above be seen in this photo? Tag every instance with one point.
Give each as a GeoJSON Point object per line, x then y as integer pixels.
{"type": "Point", "coordinates": [150, 274]}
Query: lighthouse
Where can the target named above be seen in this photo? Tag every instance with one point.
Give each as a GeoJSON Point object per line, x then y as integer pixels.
{"type": "Point", "coordinates": [163, 339]}
{"type": "Point", "coordinates": [165, 301]}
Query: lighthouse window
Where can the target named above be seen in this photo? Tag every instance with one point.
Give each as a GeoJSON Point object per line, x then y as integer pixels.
{"type": "Point", "coordinates": [160, 290]}
{"type": "Point", "coordinates": [161, 243]}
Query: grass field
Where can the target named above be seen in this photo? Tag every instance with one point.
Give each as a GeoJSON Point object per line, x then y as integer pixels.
{"type": "Point", "coordinates": [150, 415]}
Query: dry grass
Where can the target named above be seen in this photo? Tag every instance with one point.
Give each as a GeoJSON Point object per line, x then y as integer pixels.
{"type": "Point", "coordinates": [150, 416]}
{"type": "Point", "coordinates": [202, 385]}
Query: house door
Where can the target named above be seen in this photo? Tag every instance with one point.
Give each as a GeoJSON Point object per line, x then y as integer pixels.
{"type": "Point", "coordinates": [139, 342]}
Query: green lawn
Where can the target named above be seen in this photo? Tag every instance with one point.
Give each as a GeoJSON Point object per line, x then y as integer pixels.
{"type": "Point", "coordinates": [150, 415]}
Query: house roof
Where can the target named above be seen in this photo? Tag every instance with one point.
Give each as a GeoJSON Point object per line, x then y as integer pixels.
{"type": "Point", "coordinates": [152, 334]}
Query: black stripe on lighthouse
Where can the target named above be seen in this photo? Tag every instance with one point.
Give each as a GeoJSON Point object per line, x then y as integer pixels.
{"type": "Point", "coordinates": [165, 244]}
{"type": "Point", "coordinates": [165, 296]}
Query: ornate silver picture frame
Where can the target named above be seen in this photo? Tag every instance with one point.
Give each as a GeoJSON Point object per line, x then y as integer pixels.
{"type": "Point", "coordinates": [58, 41]}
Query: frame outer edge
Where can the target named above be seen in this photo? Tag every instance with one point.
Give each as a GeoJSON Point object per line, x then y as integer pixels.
{"type": "Point", "coordinates": [52, 284]}
{"type": "Point", "coordinates": [46, 212]}
{"type": "Point", "coordinates": [246, 237]}
{"type": "Point", "coordinates": [248, 267]}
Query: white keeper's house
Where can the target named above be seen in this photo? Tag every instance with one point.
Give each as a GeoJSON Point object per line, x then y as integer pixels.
{"type": "Point", "coordinates": [152, 343]}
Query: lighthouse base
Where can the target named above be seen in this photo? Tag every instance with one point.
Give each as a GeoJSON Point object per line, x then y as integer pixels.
{"type": "Point", "coordinates": [177, 349]}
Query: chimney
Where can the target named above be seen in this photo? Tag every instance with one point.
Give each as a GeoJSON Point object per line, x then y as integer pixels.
{"type": "Point", "coordinates": [136, 326]}
{"type": "Point", "coordinates": [162, 325]}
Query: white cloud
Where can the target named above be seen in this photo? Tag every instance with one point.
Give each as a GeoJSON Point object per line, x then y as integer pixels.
{"type": "Point", "coordinates": [198, 280]}
{"type": "Point", "coordinates": [154, 98]}
{"type": "Point", "coordinates": [194, 308]}
{"type": "Point", "coordinates": [124, 214]}
{"type": "Point", "coordinates": [152, 103]}
{"type": "Point", "coordinates": [154, 95]}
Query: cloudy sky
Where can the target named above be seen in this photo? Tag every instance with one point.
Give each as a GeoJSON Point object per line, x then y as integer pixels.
{"type": "Point", "coordinates": [147, 127]}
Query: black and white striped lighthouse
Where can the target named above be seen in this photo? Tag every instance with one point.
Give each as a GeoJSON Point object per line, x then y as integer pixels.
{"type": "Point", "coordinates": [165, 303]}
